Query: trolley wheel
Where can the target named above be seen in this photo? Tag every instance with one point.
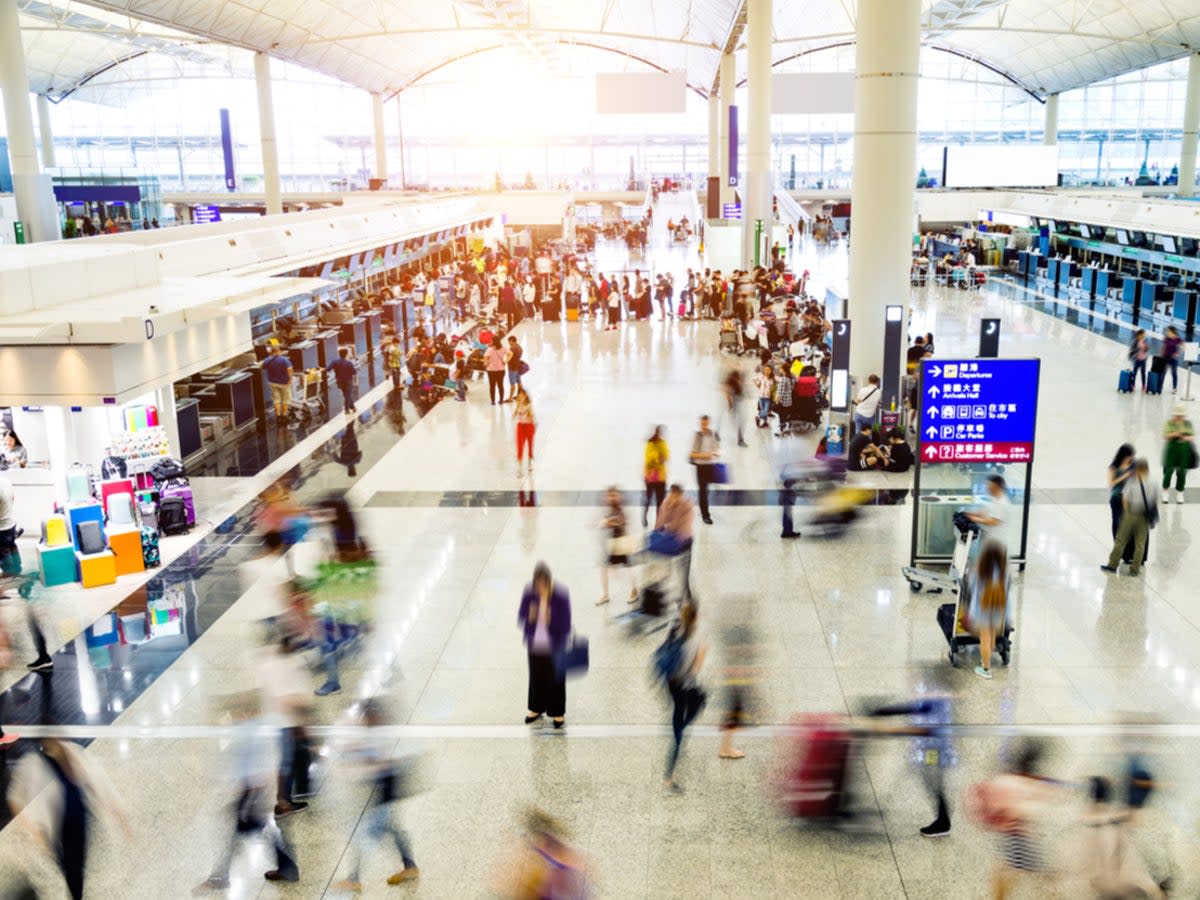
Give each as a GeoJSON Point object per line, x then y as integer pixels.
{"type": "Point", "coordinates": [953, 659]}
{"type": "Point", "coordinates": [914, 586]}
{"type": "Point", "coordinates": [26, 590]}
{"type": "Point", "coordinates": [935, 590]}
{"type": "Point", "coordinates": [1004, 655]}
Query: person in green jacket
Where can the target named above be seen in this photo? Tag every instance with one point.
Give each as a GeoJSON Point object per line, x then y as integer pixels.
{"type": "Point", "coordinates": [1177, 453]}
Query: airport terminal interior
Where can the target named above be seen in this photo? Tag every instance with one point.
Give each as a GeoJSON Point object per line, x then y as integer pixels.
{"type": "Point", "coordinates": [801, 390]}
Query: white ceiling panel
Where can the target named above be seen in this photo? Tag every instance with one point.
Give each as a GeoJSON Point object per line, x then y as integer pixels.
{"type": "Point", "coordinates": [386, 45]}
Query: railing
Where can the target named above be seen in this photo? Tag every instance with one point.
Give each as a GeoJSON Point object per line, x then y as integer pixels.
{"type": "Point", "coordinates": [788, 207]}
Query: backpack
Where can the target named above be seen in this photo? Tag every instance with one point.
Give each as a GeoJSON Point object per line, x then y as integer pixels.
{"type": "Point", "coordinates": [668, 658]}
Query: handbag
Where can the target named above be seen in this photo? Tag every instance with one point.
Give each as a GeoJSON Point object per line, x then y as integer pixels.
{"type": "Point", "coordinates": [663, 543]}
{"type": "Point", "coordinates": [575, 657]}
{"type": "Point", "coordinates": [523, 368]}
{"type": "Point", "coordinates": [1151, 511]}
{"type": "Point", "coordinates": [1193, 456]}
{"type": "Point", "coordinates": [720, 473]}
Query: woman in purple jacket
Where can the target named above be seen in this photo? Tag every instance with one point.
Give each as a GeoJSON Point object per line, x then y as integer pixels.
{"type": "Point", "coordinates": [545, 618]}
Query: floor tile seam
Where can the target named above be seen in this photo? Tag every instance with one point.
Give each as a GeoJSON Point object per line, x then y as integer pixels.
{"type": "Point", "coordinates": [467, 594]}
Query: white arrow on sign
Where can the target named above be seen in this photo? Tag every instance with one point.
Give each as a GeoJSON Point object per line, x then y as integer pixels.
{"type": "Point", "coordinates": [931, 431]}
{"type": "Point", "coordinates": [930, 452]}
{"type": "Point", "coordinates": [933, 391]}
{"type": "Point", "coordinates": [991, 328]}
{"type": "Point", "coordinates": [933, 413]}
{"type": "Point", "coordinates": [935, 371]}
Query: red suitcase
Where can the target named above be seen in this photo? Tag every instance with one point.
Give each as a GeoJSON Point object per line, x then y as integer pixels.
{"type": "Point", "coordinates": [816, 777]}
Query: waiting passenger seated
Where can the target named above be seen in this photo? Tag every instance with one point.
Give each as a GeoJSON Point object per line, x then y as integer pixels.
{"type": "Point", "coordinates": [899, 453]}
{"type": "Point", "coordinates": [862, 455]}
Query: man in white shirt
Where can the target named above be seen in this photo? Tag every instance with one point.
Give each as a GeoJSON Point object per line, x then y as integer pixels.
{"type": "Point", "coordinates": [995, 514]}
{"type": "Point", "coordinates": [8, 516]}
{"type": "Point", "coordinates": [866, 404]}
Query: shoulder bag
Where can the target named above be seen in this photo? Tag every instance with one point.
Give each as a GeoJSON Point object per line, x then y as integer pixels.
{"type": "Point", "coordinates": [1151, 511]}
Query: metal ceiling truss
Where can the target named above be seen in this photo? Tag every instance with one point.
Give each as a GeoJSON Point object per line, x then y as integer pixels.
{"type": "Point", "coordinates": [420, 76]}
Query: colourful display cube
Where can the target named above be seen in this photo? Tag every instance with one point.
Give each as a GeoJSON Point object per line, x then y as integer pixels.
{"type": "Point", "coordinates": [57, 564]}
{"type": "Point", "coordinates": [83, 512]}
{"type": "Point", "coordinates": [126, 545]}
{"type": "Point", "coordinates": [96, 569]}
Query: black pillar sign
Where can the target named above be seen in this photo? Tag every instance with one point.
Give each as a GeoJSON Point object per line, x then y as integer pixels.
{"type": "Point", "coordinates": [989, 339]}
{"type": "Point", "coordinates": [839, 367]}
{"type": "Point", "coordinates": [893, 355]}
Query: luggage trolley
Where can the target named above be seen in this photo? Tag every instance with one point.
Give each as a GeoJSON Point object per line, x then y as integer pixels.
{"type": "Point", "coordinates": [950, 618]}
{"type": "Point", "coordinates": [936, 582]}
{"type": "Point", "coordinates": [658, 601]}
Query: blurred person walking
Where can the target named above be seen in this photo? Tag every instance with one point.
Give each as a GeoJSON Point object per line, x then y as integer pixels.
{"type": "Point", "coordinates": [1120, 470]}
{"type": "Point", "coordinates": [494, 364]}
{"type": "Point", "coordinates": [514, 360]}
{"type": "Point", "coordinates": [249, 750]}
{"type": "Point", "coordinates": [988, 605]}
{"type": "Point", "coordinates": [1172, 349]}
{"type": "Point", "coordinates": [526, 427]}
{"type": "Point", "coordinates": [733, 388]}
{"type": "Point", "coordinates": [1012, 806]}
{"type": "Point", "coordinates": [677, 662]}
{"type": "Point", "coordinates": [546, 867]}
{"type": "Point", "coordinates": [654, 473]}
{"type": "Point", "coordinates": [764, 384]}
{"type": "Point", "coordinates": [1140, 499]}
{"type": "Point", "coordinates": [77, 793]}
{"type": "Point", "coordinates": [706, 448]}
{"type": "Point", "coordinates": [545, 620]}
{"type": "Point", "coordinates": [286, 692]}
{"type": "Point", "coordinates": [1179, 453]}
{"type": "Point", "coordinates": [617, 548]}
{"type": "Point", "coordinates": [932, 748]}
{"type": "Point", "coordinates": [395, 362]}
{"type": "Point", "coordinates": [390, 779]}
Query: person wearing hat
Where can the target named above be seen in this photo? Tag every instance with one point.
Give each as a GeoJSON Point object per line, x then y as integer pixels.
{"type": "Point", "coordinates": [1178, 453]}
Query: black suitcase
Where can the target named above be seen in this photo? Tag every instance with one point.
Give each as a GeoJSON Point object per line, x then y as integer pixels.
{"type": "Point", "coordinates": [172, 516]}
{"type": "Point", "coordinates": [1159, 365]}
{"type": "Point", "coordinates": [550, 311]}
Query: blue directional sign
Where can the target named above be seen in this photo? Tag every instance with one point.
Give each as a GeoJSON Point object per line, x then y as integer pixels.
{"type": "Point", "coordinates": [979, 410]}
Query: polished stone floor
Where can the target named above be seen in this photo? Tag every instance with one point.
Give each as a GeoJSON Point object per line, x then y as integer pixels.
{"type": "Point", "coordinates": [837, 628]}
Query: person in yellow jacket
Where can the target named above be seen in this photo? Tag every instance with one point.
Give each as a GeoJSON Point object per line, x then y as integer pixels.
{"type": "Point", "coordinates": [654, 472]}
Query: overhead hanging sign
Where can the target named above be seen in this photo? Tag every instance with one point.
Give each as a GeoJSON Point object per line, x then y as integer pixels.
{"type": "Point", "coordinates": [982, 410]}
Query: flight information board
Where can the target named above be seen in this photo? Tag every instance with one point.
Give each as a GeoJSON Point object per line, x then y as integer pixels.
{"type": "Point", "coordinates": [978, 410]}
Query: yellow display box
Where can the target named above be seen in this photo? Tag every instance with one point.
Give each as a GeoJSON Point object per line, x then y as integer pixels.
{"type": "Point", "coordinates": [96, 569]}
{"type": "Point", "coordinates": [126, 545]}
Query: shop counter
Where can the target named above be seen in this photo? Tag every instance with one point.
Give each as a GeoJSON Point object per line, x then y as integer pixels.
{"type": "Point", "coordinates": [35, 491]}
{"type": "Point", "coordinates": [97, 569]}
{"type": "Point", "coordinates": [57, 564]}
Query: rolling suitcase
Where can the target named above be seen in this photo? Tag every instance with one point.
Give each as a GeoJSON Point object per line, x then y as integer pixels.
{"type": "Point", "coordinates": [550, 312]}
{"type": "Point", "coordinates": [179, 489]}
{"type": "Point", "coordinates": [1158, 365]}
{"type": "Point", "coordinates": [172, 516]}
{"type": "Point", "coordinates": [1125, 382]}
{"type": "Point", "coordinates": [1154, 383]}
{"type": "Point", "coordinates": [148, 513]}
{"type": "Point", "coordinates": [150, 555]}
{"type": "Point", "coordinates": [816, 783]}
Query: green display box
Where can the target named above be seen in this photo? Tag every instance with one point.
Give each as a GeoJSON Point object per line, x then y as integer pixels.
{"type": "Point", "coordinates": [57, 564]}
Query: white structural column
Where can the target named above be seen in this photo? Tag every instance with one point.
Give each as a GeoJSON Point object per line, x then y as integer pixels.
{"type": "Point", "coordinates": [381, 165]}
{"type": "Point", "coordinates": [168, 417]}
{"type": "Point", "coordinates": [400, 141]}
{"type": "Point", "coordinates": [885, 170]}
{"type": "Point", "coordinates": [756, 191]}
{"type": "Point", "coordinates": [1050, 132]}
{"type": "Point", "coordinates": [1191, 127]}
{"type": "Point", "coordinates": [34, 195]}
{"type": "Point", "coordinates": [45, 132]}
{"type": "Point", "coordinates": [714, 146]}
{"type": "Point", "coordinates": [728, 73]}
{"type": "Point", "coordinates": [266, 130]}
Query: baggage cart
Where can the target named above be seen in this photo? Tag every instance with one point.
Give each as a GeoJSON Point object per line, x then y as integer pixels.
{"type": "Point", "coordinates": [936, 582]}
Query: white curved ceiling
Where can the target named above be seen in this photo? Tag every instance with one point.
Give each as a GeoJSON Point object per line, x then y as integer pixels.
{"type": "Point", "coordinates": [384, 46]}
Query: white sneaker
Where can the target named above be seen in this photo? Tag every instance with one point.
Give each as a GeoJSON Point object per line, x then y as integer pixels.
{"type": "Point", "coordinates": [1179, 496]}
{"type": "Point", "coordinates": [1166, 495]}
